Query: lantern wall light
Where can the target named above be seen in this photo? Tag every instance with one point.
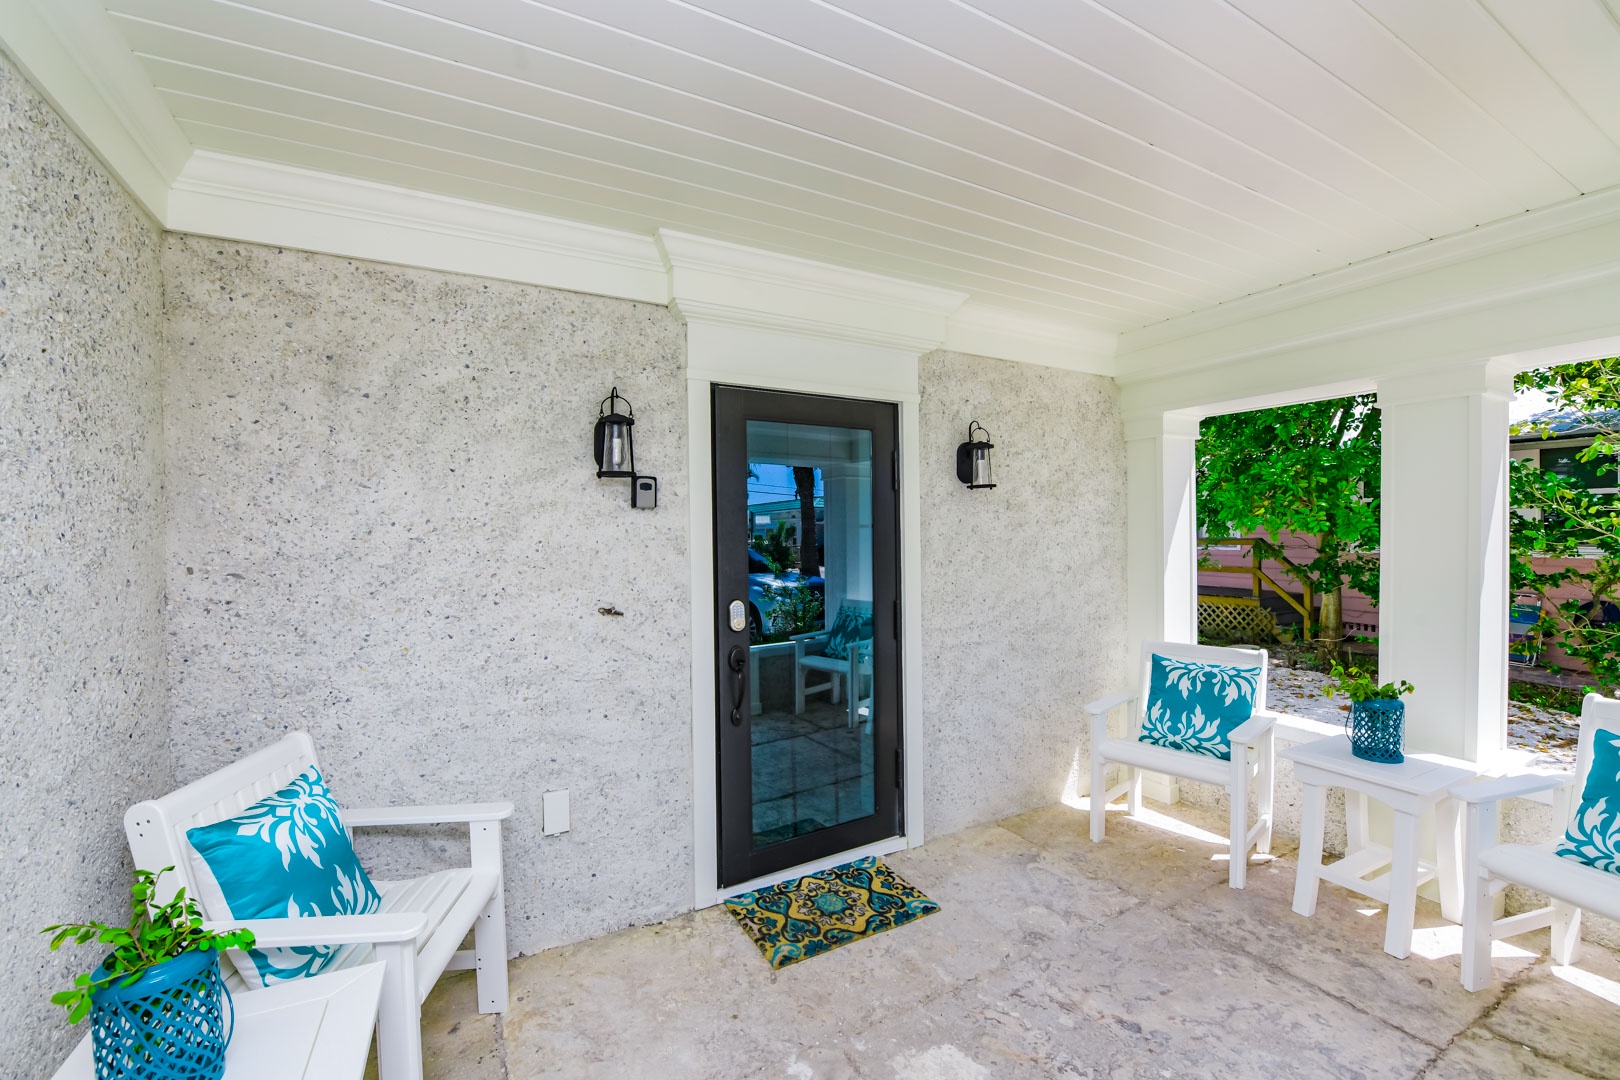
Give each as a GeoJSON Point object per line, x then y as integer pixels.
{"type": "Point", "coordinates": [973, 458]}
{"type": "Point", "coordinates": [614, 448]}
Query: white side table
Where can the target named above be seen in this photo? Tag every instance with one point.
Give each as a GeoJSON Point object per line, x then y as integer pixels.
{"type": "Point", "coordinates": [308, 1029]}
{"type": "Point", "coordinates": [1410, 789]}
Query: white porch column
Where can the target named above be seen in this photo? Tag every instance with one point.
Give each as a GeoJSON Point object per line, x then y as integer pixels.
{"type": "Point", "coordinates": [1442, 621]}
{"type": "Point", "coordinates": [1161, 545]}
{"type": "Point", "coordinates": [1161, 531]}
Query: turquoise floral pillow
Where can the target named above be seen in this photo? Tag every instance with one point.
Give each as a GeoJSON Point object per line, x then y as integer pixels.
{"type": "Point", "coordinates": [853, 624]}
{"type": "Point", "coordinates": [1594, 835]}
{"type": "Point", "coordinates": [285, 856]}
{"type": "Point", "coordinates": [1194, 707]}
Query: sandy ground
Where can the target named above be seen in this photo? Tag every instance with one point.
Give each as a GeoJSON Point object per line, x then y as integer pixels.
{"type": "Point", "coordinates": [1549, 733]}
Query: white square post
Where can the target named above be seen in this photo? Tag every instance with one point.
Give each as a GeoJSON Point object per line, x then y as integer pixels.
{"type": "Point", "coordinates": [1161, 543]}
{"type": "Point", "coordinates": [1443, 601]}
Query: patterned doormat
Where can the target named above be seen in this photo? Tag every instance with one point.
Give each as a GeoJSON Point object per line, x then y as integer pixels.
{"type": "Point", "coordinates": [807, 916]}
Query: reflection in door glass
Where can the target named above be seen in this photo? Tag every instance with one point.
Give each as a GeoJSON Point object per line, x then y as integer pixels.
{"type": "Point", "coordinates": [809, 536]}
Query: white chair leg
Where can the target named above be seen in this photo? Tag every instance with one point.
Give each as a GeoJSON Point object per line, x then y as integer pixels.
{"type": "Point", "coordinates": [489, 932]}
{"type": "Point", "coordinates": [1267, 781]}
{"type": "Point", "coordinates": [798, 689]}
{"type": "Point", "coordinates": [1237, 865]}
{"type": "Point", "coordinates": [1133, 796]}
{"type": "Point", "coordinates": [1099, 797]}
{"type": "Point", "coordinates": [1566, 933]}
{"type": "Point", "coordinates": [399, 1014]}
{"type": "Point", "coordinates": [1477, 916]}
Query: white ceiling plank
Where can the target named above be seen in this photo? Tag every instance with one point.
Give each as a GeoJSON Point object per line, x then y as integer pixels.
{"type": "Point", "coordinates": [1471, 49]}
{"type": "Point", "coordinates": [1231, 43]}
{"type": "Point", "coordinates": [391, 138]}
{"type": "Point", "coordinates": [247, 65]}
{"type": "Point", "coordinates": [333, 150]}
{"type": "Point", "coordinates": [861, 175]}
{"type": "Point", "coordinates": [922, 132]}
{"type": "Point", "coordinates": [1349, 43]}
{"type": "Point", "coordinates": [1577, 42]}
{"type": "Point", "coordinates": [954, 55]}
{"type": "Point", "coordinates": [1136, 83]}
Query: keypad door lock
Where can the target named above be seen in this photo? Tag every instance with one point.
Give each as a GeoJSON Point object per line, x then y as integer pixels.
{"type": "Point", "coordinates": [738, 616]}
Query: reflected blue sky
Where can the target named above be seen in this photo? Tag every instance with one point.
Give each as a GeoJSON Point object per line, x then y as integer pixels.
{"type": "Point", "coordinates": [774, 483]}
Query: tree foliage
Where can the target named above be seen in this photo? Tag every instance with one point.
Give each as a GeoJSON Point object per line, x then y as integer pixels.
{"type": "Point", "coordinates": [1311, 469]}
{"type": "Point", "coordinates": [1556, 516]}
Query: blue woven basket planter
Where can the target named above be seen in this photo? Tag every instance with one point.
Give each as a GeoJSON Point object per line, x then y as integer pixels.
{"type": "Point", "coordinates": [168, 1025]}
{"type": "Point", "coordinates": [1376, 730]}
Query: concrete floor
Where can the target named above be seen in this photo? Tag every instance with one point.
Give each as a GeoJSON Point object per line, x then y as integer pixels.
{"type": "Point", "coordinates": [1052, 957]}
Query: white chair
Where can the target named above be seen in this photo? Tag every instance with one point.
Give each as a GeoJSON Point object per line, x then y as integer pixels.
{"type": "Point", "coordinates": [1489, 867]}
{"type": "Point", "coordinates": [417, 934]}
{"type": "Point", "coordinates": [1251, 769]}
{"type": "Point", "coordinates": [843, 668]}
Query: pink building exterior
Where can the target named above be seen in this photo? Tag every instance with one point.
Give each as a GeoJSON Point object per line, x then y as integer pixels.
{"type": "Point", "coordinates": [1360, 614]}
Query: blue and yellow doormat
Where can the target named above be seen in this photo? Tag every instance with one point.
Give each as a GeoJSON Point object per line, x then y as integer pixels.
{"type": "Point", "coordinates": [807, 916]}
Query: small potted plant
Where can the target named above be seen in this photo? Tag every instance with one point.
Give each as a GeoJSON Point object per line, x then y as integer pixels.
{"type": "Point", "coordinates": [1377, 713]}
{"type": "Point", "coordinates": [155, 1003]}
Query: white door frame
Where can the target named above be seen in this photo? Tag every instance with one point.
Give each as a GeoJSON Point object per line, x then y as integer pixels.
{"type": "Point", "coordinates": [772, 359]}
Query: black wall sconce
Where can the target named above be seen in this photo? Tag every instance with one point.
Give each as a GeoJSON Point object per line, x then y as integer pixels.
{"type": "Point", "coordinates": [614, 446]}
{"type": "Point", "coordinates": [973, 458]}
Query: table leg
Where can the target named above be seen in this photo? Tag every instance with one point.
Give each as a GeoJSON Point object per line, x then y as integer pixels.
{"type": "Point", "coordinates": [1402, 887]}
{"type": "Point", "coordinates": [1308, 877]}
{"type": "Point", "coordinates": [1447, 858]}
{"type": "Point", "coordinates": [1355, 821]}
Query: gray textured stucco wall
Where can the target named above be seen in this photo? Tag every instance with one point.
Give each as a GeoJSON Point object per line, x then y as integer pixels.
{"type": "Point", "coordinates": [1023, 586]}
{"type": "Point", "coordinates": [82, 727]}
{"type": "Point", "coordinates": [386, 529]}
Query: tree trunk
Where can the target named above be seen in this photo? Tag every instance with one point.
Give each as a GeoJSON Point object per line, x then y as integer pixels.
{"type": "Point", "coordinates": [1330, 626]}
{"type": "Point", "coordinates": [804, 485]}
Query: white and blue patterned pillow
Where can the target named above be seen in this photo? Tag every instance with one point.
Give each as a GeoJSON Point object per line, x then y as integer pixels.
{"type": "Point", "coordinates": [1594, 834]}
{"type": "Point", "coordinates": [853, 624]}
{"type": "Point", "coordinates": [285, 856]}
{"type": "Point", "coordinates": [1194, 707]}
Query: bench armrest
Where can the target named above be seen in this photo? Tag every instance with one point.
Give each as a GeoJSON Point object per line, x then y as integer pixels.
{"type": "Point", "coordinates": [1509, 787]}
{"type": "Point", "coordinates": [1254, 728]}
{"type": "Point", "coordinates": [426, 815]}
{"type": "Point", "coordinates": [1108, 704]}
{"type": "Point", "coordinates": [329, 929]}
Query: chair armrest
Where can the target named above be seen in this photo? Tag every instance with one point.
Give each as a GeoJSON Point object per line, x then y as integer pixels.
{"type": "Point", "coordinates": [1254, 728]}
{"type": "Point", "coordinates": [1508, 787]}
{"type": "Point", "coordinates": [1108, 704]}
{"type": "Point", "coordinates": [377, 929]}
{"type": "Point", "coordinates": [811, 636]}
{"type": "Point", "coordinates": [426, 815]}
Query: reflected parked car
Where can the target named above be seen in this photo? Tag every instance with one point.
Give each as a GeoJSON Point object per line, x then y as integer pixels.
{"type": "Point", "coordinates": [761, 579]}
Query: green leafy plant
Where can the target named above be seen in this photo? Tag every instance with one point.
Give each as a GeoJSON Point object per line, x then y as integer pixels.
{"type": "Point", "coordinates": [1357, 685]}
{"type": "Point", "coordinates": [779, 548]}
{"type": "Point", "coordinates": [156, 932]}
{"type": "Point", "coordinates": [796, 609]}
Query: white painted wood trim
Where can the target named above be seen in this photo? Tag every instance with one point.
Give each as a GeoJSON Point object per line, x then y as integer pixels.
{"type": "Point", "coordinates": [70, 51]}
{"type": "Point", "coordinates": [986, 330]}
{"type": "Point", "coordinates": [782, 359]}
{"type": "Point", "coordinates": [239, 199]}
{"type": "Point", "coordinates": [727, 284]}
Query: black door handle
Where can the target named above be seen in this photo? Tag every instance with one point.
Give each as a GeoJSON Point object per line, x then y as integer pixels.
{"type": "Point", "coordinates": [737, 660]}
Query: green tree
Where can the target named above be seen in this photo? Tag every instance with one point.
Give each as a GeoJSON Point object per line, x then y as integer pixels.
{"type": "Point", "coordinates": [1556, 516]}
{"type": "Point", "coordinates": [779, 548]}
{"type": "Point", "coordinates": [1311, 469]}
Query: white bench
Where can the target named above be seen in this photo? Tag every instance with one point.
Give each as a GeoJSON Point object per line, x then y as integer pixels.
{"type": "Point", "coordinates": [418, 932]}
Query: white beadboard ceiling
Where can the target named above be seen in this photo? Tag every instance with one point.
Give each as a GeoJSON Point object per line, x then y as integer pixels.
{"type": "Point", "coordinates": [1111, 163]}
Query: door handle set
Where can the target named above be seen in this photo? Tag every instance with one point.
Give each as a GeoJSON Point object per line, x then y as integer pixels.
{"type": "Point", "coordinates": [737, 661]}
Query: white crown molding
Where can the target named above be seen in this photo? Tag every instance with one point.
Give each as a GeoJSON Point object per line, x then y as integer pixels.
{"type": "Point", "coordinates": [241, 199]}
{"type": "Point", "coordinates": [1516, 258]}
{"type": "Point", "coordinates": [987, 330]}
{"type": "Point", "coordinates": [728, 284]}
{"type": "Point", "coordinates": [70, 51]}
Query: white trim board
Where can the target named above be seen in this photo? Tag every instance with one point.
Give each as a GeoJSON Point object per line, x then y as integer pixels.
{"type": "Point", "coordinates": [69, 50]}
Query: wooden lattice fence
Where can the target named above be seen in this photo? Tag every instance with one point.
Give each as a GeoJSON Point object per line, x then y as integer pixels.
{"type": "Point", "coordinates": [1235, 618]}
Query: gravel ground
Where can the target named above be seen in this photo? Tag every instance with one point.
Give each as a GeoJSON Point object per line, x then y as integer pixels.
{"type": "Point", "coordinates": [1549, 733]}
